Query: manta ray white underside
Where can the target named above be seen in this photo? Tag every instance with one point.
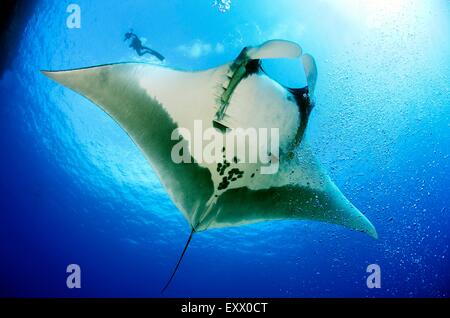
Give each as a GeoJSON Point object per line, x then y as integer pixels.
{"type": "Point", "coordinates": [149, 102]}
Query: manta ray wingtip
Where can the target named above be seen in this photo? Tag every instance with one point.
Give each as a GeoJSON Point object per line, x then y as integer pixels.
{"type": "Point", "coordinates": [47, 71]}
{"type": "Point", "coordinates": [49, 74]}
{"type": "Point", "coordinates": [369, 229]}
{"type": "Point", "coordinates": [373, 233]}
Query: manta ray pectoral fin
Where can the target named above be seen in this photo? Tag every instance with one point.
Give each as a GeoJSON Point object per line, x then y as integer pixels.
{"type": "Point", "coordinates": [118, 90]}
{"type": "Point", "coordinates": [309, 195]}
{"type": "Point", "coordinates": [245, 206]}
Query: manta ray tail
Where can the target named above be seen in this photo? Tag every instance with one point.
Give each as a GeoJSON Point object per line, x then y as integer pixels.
{"type": "Point", "coordinates": [179, 261]}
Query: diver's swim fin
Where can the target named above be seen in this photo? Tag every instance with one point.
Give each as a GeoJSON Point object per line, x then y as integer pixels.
{"type": "Point", "coordinates": [158, 55]}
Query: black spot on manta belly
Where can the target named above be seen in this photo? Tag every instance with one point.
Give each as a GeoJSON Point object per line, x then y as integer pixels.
{"type": "Point", "coordinates": [232, 176]}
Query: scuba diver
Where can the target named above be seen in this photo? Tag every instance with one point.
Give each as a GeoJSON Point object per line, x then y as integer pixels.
{"type": "Point", "coordinates": [136, 44]}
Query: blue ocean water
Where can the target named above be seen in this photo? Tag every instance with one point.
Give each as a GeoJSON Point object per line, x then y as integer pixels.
{"type": "Point", "coordinates": [75, 189]}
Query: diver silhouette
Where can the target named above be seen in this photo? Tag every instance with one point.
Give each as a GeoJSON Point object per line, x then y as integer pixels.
{"type": "Point", "coordinates": [136, 44]}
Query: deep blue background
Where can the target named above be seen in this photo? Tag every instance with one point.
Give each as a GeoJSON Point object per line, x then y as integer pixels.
{"type": "Point", "coordinates": [74, 189]}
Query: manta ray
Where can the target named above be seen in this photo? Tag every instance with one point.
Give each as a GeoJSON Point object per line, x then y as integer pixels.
{"type": "Point", "coordinates": [150, 102]}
